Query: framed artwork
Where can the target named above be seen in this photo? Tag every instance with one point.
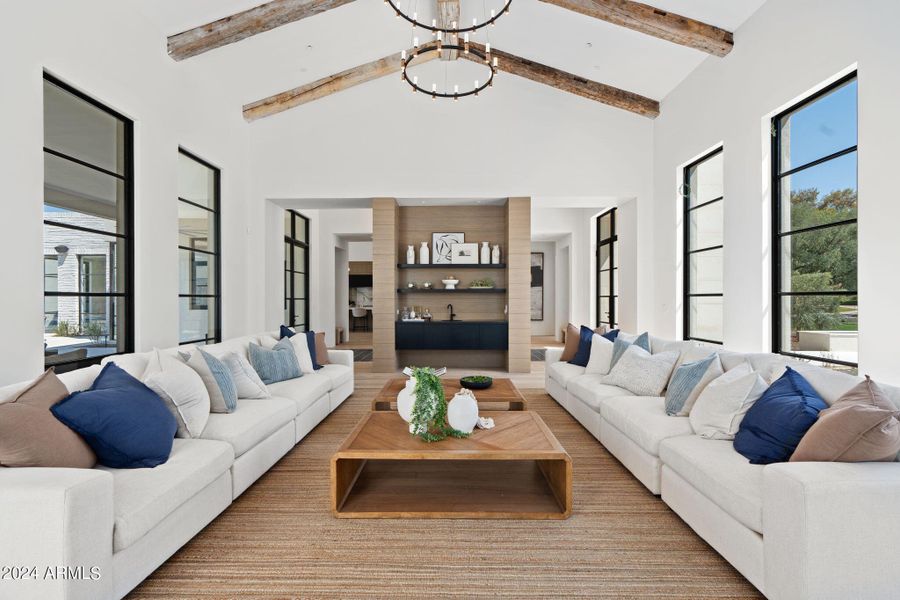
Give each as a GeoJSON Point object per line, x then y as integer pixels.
{"type": "Point", "coordinates": [464, 254]}
{"type": "Point", "coordinates": [441, 246]}
{"type": "Point", "coordinates": [537, 286]}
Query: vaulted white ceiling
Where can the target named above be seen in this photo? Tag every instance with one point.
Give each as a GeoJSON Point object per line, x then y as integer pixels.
{"type": "Point", "coordinates": [366, 30]}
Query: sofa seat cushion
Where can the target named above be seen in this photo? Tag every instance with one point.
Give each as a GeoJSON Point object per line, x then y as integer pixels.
{"type": "Point", "coordinates": [240, 346]}
{"type": "Point", "coordinates": [719, 473]}
{"type": "Point", "coordinates": [144, 497]}
{"type": "Point", "coordinates": [563, 372]}
{"type": "Point", "coordinates": [338, 374]}
{"type": "Point", "coordinates": [303, 391]}
{"type": "Point", "coordinates": [644, 420]}
{"type": "Point", "coordinates": [589, 390]}
{"type": "Point", "coordinates": [251, 423]}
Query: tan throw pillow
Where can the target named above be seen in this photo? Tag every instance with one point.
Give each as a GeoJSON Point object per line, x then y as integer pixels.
{"type": "Point", "coordinates": [573, 336]}
{"type": "Point", "coordinates": [861, 426]}
{"type": "Point", "coordinates": [30, 436]}
{"type": "Point", "coordinates": [321, 349]}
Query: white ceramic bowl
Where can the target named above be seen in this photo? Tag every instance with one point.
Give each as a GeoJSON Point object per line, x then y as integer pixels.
{"type": "Point", "coordinates": [450, 283]}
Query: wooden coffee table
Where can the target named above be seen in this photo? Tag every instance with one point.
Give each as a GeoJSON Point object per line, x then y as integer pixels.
{"type": "Point", "coordinates": [502, 395]}
{"type": "Point", "coordinates": [518, 470]}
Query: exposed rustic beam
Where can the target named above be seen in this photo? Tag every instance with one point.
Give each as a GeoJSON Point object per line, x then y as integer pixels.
{"type": "Point", "coordinates": [327, 86]}
{"type": "Point", "coordinates": [568, 82]}
{"type": "Point", "coordinates": [245, 24]}
{"type": "Point", "coordinates": [447, 15]}
{"type": "Point", "coordinates": [656, 22]}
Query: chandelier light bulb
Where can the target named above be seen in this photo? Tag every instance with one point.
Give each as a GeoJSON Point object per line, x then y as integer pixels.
{"type": "Point", "coordinates": [415, 17]}
{"type": "Point", "coordinates": [493, 24]}
{"type": "Point", "coordinates": [474, 21]}
{"type": "Point", "coordinates": [403, 55]}
{"type": "Point", "coordinates": [433, 87]}
{"type": "Point", "coordinates": [487, 47]}
{"type": "Point", "coordinates": [495, 62]}
{"type": "Point", "coordinates": [415, 42]}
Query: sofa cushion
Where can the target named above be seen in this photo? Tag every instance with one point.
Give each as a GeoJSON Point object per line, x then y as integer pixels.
{"type": "Point", "coordinates": [592, 392]}
{"type": "Point", "coordinates": [644, 420]}
{"type": "Point", "coordinates": [275, 364]}
{"type": "Point", "coordinates": [563, 372]}
{"type": "Point", "coordinates": [720, 474]}
{"type": "Point", "coordinates": [239, 345]}
{"type": "Point", "coordinates": [338, 374]}
{"type": "Point", "coordinates": [251, 423]}
{"type": "Point", "coordinates": [302, 391]}
{"type": "Point", "coordinates": [144, 497]}
{"type": "Point", "coordinates": [643, 373]}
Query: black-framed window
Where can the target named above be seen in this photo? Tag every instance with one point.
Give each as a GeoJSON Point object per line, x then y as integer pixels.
{"type": "Point", "coordinates": [607, 270]}
{"type": "Point", "coordinates": [88, 224]}
{"type": "Point", "coordinates": [199, 250]}
{"type": "Point", "coordinates": [814, 207]}
{"type": "Point", "coordinates": [296, 270]}
{"type": "Point", "coordinates": [704, 246]}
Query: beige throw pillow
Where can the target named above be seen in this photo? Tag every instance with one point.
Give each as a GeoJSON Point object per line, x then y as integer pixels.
{"type": "Point", "coordinates": [573, 336]}
{"type": "Point", "coordinates": [861, 426]}
{"type": "Point", "coordinates": [321, 349]}
{"type": "Point", "coordinates": [30, 436]}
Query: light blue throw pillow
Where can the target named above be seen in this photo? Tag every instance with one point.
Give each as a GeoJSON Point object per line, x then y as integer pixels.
{"type": "Point", "coordinates": [222, 375]}
{"type": "Point", "coordinates": [688, 381]}
{"type": "Point", "coordinates": [620, 346]}
{"type": "Point", "coordinates": [278, 364]}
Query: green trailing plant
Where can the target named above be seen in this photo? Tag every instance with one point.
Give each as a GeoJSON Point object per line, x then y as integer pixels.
{"type": "Point", "coordinates": [487, 282]}
{"type": "Point", "coordinates": [429, 412]}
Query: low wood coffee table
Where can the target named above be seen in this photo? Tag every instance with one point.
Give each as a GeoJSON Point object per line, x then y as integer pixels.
{"type": "Point", "coordinates": [502, 395]}
{"type": "Point", "coordinates": [518, 470]}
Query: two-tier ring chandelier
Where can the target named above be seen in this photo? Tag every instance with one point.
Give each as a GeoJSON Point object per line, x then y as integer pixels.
{"type": "Point", "coordinates": [449, 39]}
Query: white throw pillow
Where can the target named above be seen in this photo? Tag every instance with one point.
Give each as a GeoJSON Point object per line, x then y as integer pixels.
{"type": "Point", "coordinates": [640, 372]}
{"type": "Point", "coordinates": [601, 355]}
{"type": "Point", "coordinates": [721, 407]}
{"type": "Point", "coordinates": [181, 389]}
{"type": "Point", "coordinates": [246, 380]}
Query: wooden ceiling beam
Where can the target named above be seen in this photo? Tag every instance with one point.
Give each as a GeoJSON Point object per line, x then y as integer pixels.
{"type": "Point", "coordinates": [245, 24]}
{"type": "Point", "coordinates": [568, 82]}
{"type": "Point", "coordinates": [447, 15]}
{"type": "Point", "coordinates": [656, 22]}
{"type": "Point", "coordinates": [327, 86]}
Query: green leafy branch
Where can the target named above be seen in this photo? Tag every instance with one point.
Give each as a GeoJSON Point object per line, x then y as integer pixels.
{"type": "Point", "coordinates": [429, 412]}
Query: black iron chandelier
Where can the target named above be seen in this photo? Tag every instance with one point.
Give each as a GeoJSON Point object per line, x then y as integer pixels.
{"type": "Point", "coordinates": [455, 28]}
{"type": "Point", "coordinates": [452, 37]}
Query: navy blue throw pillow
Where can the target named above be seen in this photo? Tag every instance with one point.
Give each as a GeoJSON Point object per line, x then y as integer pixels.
{"type": "Point", "coordinates": [285, 332]}
{"type": "Point", "coordinates": [311, 344]}
{"type": "Point", "coordinates": [774, 425]}
{"type": "Point", "coordinates": [583, 354]}
{"type": "Point", "coordinates": [611, 335]}
{"type": "Point", "coordinates": [125, 423]}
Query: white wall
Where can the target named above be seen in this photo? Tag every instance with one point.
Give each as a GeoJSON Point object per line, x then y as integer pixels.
{"type": "Point", "coordinates": [360, 251]}
{"type": "Point", "coordinates": [547, 325]}
{"type": "Point", "coordinates": [782, 53]}
{"type": "Point", "coordinates": [112, 53]}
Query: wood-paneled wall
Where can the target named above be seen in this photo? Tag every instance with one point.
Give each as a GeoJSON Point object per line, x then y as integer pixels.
{"type": "Point", "coordinates": [385, 229]}
{"type": "Point", "coordinates": [518, 260]}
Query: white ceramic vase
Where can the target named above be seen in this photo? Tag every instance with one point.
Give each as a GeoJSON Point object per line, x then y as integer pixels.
{"type": "Point", "coordinates": [405, 400]}
{"type": "Point", "coordinates": [495, 255]}
{"type": "Point", "coordinates": [485, 253]}
{"type": "Point", "coordinates": [424, 259]}
{"type": "Point", "coordinates": [462, 411]}
{"type": "Point", "coordinates": [410, 255]}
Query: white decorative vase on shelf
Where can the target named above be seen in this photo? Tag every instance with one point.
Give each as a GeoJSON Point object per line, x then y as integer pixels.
{"type": "Point", "coordinates": [462, 411]}
{"type": "Point", "coordinates": [485, 253]}
{"type": "Point", "coordinates": [495, 255]}
{"type": "Point", "coordinates": [424, 259]}
{"type": "Point", "coordinates": [410, 255]}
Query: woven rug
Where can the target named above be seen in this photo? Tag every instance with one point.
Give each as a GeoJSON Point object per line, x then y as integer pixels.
{"type": "Point", "coordinates": [279, 540]}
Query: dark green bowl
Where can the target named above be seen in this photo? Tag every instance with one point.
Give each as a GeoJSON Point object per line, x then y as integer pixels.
{"type": "Point", "coordinates": [482, 382]}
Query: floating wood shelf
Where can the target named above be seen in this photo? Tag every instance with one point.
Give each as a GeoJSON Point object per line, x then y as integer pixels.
{"type": "Point", "coordinates": [450, 266]}
{"type": "Point", "coordinates": [457, 291]}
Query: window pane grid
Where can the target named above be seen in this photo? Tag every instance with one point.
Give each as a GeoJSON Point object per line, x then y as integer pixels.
{"type": "Point", "coordinates": [703, 248]}
{"type": "Point", "coordinates": [296, 268]}
{"type": "Point", "coordinates": [815, 228]}
{"type": "Point", "coordinates": [607, 269]}
{"type": "Point", "coordinates": [199, 239]}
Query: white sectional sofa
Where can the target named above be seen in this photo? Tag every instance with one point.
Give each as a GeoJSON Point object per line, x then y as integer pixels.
{"type": "Point", "coordinates": [124, 523]}
{"type": "Point", "coordinates": [796, 531]}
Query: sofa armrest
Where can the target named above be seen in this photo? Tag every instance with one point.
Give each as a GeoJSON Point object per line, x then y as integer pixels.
{"type": "Point", "coordinates": [830, 530]}
{"type": "Point", "coordinates": [341, 357]}
{"type": "Point", "coordinates": [61, 520]}
{"type": "Point", "coordinates": [553, 355]}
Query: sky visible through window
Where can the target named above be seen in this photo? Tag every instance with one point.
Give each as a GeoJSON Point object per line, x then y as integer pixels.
{"type": "Point", "coordinates": [820, 129]}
